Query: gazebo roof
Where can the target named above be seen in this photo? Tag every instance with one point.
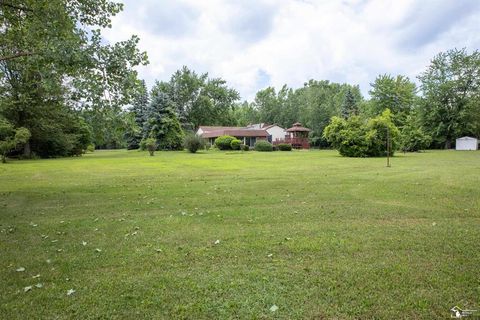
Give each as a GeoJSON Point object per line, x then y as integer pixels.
{"type": "Point", "coordinates": [297, 127]}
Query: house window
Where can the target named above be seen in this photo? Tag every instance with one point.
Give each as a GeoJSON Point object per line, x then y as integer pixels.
{"type": "Point", "coordinates": [250, 141]}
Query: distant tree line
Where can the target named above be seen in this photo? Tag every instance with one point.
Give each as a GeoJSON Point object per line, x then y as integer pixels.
{"type": "Point", "coordinates": [445, 106]}
{"type": "Point", "coordinates": [62, 89]}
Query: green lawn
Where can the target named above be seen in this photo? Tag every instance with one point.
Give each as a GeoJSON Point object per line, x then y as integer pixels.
{"type": "Point", "coordinates": [318, 235]}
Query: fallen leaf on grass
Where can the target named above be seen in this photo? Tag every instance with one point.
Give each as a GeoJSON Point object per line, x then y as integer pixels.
{"type": "Point", "coordinates": [158, 250]}
{"type": "Point", "coordinates": [84, 243]}
{"type": "Point", "coordinates": [273, 308]}
{"type": "Point", "coordinates": [36, 276]}
{"type": "Point", "coordinates": [70, 292]}
{"type": "Point", "coordinates": [21, 269]}
{"type": "Point", "coordinates": [26, 289]}
{"type": "Point", "coordinates": [98, 250]}
{"type": "Point", "coordinates": [270, 255]}
{"type": "Point", "coordinates": [216, 241]}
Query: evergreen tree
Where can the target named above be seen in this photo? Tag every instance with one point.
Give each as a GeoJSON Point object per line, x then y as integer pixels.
{"type": "Point", "coordinates": [349, 105]}
{"type": "Point", "coordinates": [133, 132]}
{"type": "Point", "coordinates": [140, 104]}
{"type": "Point", "coordinates": [161, 123]}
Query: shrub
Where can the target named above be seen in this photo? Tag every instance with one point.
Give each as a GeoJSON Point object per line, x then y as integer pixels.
{"type": "Point", "coordinates": [151, 145]}
{"type": "Point", "coordinates": [91, 147]}
{"type": "Point", "coordinates": [263, 145]}
{"type": "Point", "coordinates": [208, 145]}
{"type": "Point", "coordinates": [356, 137]}
{"type": "Point", "coordinates": [193, 142]}
{"type": "Point", "coordinates": [235, 144]}
{"type": "Point", "coordinates": [245, 147]}
{"type": "Point", "coordinates": [285, 147]}
{"type": "Point", "coordinates": [223, 142]}
{"type": "Point", "coordinates": [11, 138]}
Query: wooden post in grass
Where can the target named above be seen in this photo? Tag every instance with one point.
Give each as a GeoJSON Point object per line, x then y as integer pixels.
{"type": "Point", "coordinates": [388, 148]}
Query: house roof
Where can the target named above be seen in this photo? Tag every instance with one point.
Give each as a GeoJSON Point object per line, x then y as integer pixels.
{"type": "Point", "coordinates": [215, 128]}
{"type": "Point", "coordinates": [466, 138]}
{"type": "Point", "coordinates": [236, 132]}
{"type": "Point", "coordinates": [297, 126]}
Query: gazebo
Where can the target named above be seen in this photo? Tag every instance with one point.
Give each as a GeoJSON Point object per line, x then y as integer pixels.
{"type": "Point", "coordinates": [297, 136]}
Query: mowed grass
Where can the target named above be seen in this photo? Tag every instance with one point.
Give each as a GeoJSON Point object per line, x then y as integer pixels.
{"type": "Point", "coordinates": [316, 234]}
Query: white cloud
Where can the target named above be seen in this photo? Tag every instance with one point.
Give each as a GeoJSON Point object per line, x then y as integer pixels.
{"type": "Point", "coordinates": [253, 44]}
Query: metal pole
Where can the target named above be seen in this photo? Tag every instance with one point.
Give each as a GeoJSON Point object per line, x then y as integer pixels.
{"type": "Point", "coordinates": [388, 147]}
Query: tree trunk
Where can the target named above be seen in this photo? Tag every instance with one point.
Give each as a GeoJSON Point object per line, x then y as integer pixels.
{"type": "Point", "coordinates": [448, 144]}
{"type": "Point", "coordinates": [27, 152]}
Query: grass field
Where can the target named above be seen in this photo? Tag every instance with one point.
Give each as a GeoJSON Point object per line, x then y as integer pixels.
{"type": "Point", "coordinates": [317, 235]}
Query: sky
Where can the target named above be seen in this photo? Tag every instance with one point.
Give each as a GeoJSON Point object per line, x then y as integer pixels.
{"type": "Point", "coordinates": [253, 44]}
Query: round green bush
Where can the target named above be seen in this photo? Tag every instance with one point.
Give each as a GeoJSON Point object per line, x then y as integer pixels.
{"type": "Point", "coordinates": [285, 147]}
{"type": "Point", "coordinates": [151, 145]}
{"type": "Point", "coordinates": [245, 147]}
{"type": "Point", "coordinates": [263, 145]}
{"type": "Point", "coordinates": [193, 142]}
{"type": "Point", "coordinates": [223, 142]}
{"type": "Point", "coordinates": [235, 144]}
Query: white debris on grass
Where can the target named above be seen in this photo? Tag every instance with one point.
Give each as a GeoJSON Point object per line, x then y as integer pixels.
{"type": "Point", "coordinates": [270, 255]}
{"type": "Point", "coordinates": [36, 276]}
{"type": "Point", "coordinates": [84, 243]}
{"type": "Point", "coordinates": [70, 292]}
{"type": "Point", "coordinates": [39, 285]}
{"type": "Point", "coordinates": [21, 269]}
{"type": "Point", "coordinates": [98, 250]}
{"type": "Point", "coordinates": [216, 241]}
{"type": "Point", "coordinates": [26, 289]}
{"type": "Point", "coordinates": [273, 308]}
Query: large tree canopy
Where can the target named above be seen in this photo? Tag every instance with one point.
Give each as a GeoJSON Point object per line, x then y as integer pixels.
{"type": "Point", "coordinates": [451, 89]}
{"type": "Point", "coordinates": [53, 61]}
{"type": "Point", "coordinates": [395, 93]}
{"type": "Point", "coordinates": [198, 99]}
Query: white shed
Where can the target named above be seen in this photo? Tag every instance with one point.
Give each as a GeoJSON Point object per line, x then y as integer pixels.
{"type": "Point", "coordinates": [466, 143]}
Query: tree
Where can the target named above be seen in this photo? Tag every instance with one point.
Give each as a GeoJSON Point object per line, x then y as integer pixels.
{"type": "Point", "coordinates": [245, 113]}
{"type": "Point", "coordinates": [412, 135]}
{"type": "Point", "coordinates": [382, 131]}
{"type": "Point", "coordinates": [199, 100]}
{"type": "Point", "coordinates": [349, 105]}
{"type": "Point", "coordinates": [11, 138]}
{"type": "Point", "coordinates": [162, 124]}
{"type": "Point", "coordinates": [395, 93]}
{"type": "Point", "coordinates": [53, 62]}
{"type": "Point", "coordinates": [133, 133]}
{"type": "Point", "coordinates": [451, 102]}
{"type": "Point", "coordinates": [357, 137]}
